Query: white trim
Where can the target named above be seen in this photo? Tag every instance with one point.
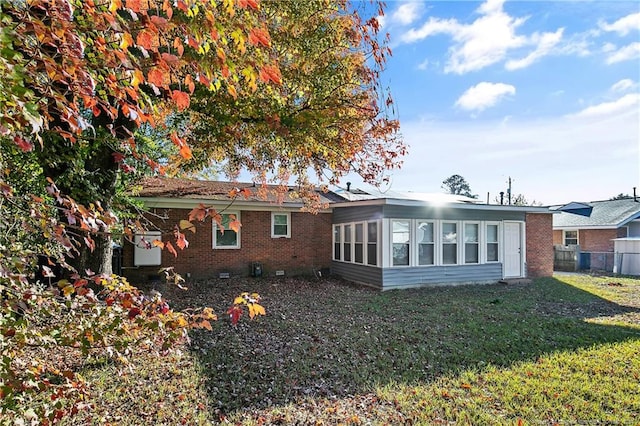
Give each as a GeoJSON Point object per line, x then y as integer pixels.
{"type": "Point", "coordinates": [499, 241]}
{"type": "Point", "coordinates": [214, 228]}
{"type": "Point", "coordinates": [190, 203]}
{"type": "Point", "coordinates": [442, 243]}
{"type": "Point", "coordinates": [564, 236]}
{"type": "Point", "coordinates": [273, 224]}
{"type": "Point", "coordinates": [478, 242]}
{"type": "Point", "coordinates": [462, 206]}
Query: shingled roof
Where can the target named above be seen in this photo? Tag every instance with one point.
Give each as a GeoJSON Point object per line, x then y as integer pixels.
{"type": "Point", "coordinates": [159, 187]}
{"type": "Point", "coordinates": [604, 214]}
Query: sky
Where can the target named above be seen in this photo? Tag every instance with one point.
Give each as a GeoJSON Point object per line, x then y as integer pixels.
{"type": "Point", "coordinates": [546, 93]}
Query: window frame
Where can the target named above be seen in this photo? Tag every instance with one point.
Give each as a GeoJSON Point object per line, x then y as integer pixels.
{"type": "Point", "coordinates": [408, 243]}
{"type": "Point", "coordinates": [273, 224]}
{"type": "Point", "coordinates": [368, 244]}
{"type": "Point", "coordinates": [564, 237]}
{"type": "Point", "coordinates": [443, 243]}
{"type": "Point", "coordinates": [433, 243]}
{"type": "Point", "coordinates": [476, 243]}
{"type": "Point", "coordinates": [360, 243]}
{"type": "Point", "coordinates": [214, 232]}
{"type": "Point", "coordinates": [347, 242]}
{"type": "Point", "coordinates": [337, 242]}
{"type": "Point", "coordinates": [498, 242]}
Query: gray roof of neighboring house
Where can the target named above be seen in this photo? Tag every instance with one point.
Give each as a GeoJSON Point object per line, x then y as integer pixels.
{"type": "Point", "coordinates": [604, 214]}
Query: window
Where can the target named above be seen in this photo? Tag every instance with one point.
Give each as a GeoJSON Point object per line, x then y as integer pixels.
{"type": "Point", "coordinates": [372, 243]}
{"type": "Point", "coordinates": [144, 252]}
{"type": "Point", "coordinates": [471, 243]}
{"type": "Point", "coordinates": [449, 243]}
{"type": "Point", "coordinates": [336, 242]}
{"type": "Point", "coordinates": [400, 230]}
{"type": "Point", "coordinates": [492, 243]}
{"type": "Point", "coordinates": [227, 236]}
{"type": "Point", "coordinates": [359, 243]}
{"type": "Point", "coordinates": [426, 243]}
{"type": "Point", "coordinates": [570, 238]}
{"type": "Point", "coordinates": [280, 227]}
{"type": "Point", "coordinates": [347, 243]}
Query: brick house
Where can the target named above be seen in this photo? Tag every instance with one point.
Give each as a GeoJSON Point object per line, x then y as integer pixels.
{"type": "Point", "coordinates": [594, 227]}
{"type": "Point", "coordinates": [391, 240]}
{"type": "Point", "coordinates": [274, 236]}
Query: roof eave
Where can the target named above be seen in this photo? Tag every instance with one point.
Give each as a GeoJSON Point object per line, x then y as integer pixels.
{"type": "Point", "coordinates": [462, 206]}
{"type": "Point", "coordinates": [189, 203]}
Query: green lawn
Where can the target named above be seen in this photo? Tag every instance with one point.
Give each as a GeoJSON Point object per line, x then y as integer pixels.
{"type": "Point", "coordinates": [561, 350]}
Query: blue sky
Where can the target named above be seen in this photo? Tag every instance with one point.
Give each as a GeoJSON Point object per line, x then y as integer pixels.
{"type": "Point", "coordinates": [544, 92]}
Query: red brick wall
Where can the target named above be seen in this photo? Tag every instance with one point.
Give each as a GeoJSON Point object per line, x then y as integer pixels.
{"type": "Point", "coordinates": [540, 238]}
{"type": "Point", "coordinates": [309, 247]}
{"type": "Point", "coordinates": [596, 239]}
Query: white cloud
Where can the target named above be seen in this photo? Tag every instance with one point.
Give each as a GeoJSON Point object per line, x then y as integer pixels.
{"type": "Point", "coordinates": [545, 42]}
{"type": "Point", "coordinates": [626, 53]}
{"type": "Point", "coordinates": [407, 13]}
{"type": "Point", "coordinates": [487, 40]}
{"type": "Point", "coordinates": [623, 25]}
{"type": "Point", "coordinates": [484, 95]}
{"type": "Point", "coordinates": [624, 85]}
{"type": "Point", "coordinates": [382, 20]}
{"type": "Point", "coordinates": [629, 103]}
{"type": "Point", "coordinates": [424, 65]}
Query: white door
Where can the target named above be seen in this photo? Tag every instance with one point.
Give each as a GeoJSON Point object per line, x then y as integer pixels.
{"type": "Point", "coordinates": [512, 250]}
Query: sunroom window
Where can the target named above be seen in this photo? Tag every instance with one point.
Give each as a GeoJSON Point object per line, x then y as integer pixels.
{"type": "Point", "coordinates": [449, 243]}
{"type": "Point", "coordinates": [426, 243]}
{"type": "Point", "coordinates": [401, 231]}
{"type": "Point", "coordinates": [471, 243]}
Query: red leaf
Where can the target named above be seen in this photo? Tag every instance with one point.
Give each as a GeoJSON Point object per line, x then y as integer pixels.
{"type": "Point", "coordinates": [181, 99]}
{"type": "Point", "coordinates": [172, 250]}
{"type": "Point", "coordinates": [235, 312]}
{"type": "Point", "coordinates": [118, 157]}
{"type": "Point", "coordinates": [181, 241]}
{"type": "Point", "coordinates": [134, 312]}
{"type": "Point", "coordinates": [23, 144]}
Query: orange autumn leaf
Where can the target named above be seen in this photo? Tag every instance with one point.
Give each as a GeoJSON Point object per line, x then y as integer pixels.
{"type": "Point", "coordinates": [181, 99]}
{"type": "Point", "coordinates": [135, 5]}
{"type": "Point", "coordinates": [259, 36]}
{"type": "Point", "coordinates": [235, 225]}
{"type": "Point", "coordinates": [156, 77]}
{"type": "Point", "coordinates": [270, 73]}
{"type": "Point", "coordinates": [158, 243]}
{"type": "Point", "coordinates": [145, 39]}
{"type": "Point", "coordinates": [232, 91]}
{"type": "Point", "coordinates": [185, 152]}
{"type": "Point", "coordinates": [188, 81]}
{"type": "Point", "coordinates": [171, 249]}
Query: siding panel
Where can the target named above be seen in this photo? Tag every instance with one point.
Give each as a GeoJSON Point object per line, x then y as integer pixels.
{"type": "Point", "coordinates": [358, 273]}
{"type": "Point", "coordinates": [441, 275]}
{"type": "Point", "coordinates": [356, 214]}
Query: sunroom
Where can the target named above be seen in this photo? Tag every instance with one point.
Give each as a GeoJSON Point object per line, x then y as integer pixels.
{"type": "Point", "coordinates": [393, 243]}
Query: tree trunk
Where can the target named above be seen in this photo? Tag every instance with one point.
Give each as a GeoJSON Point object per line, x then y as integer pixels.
{"type": "Point", "coordinates": [88, 173]}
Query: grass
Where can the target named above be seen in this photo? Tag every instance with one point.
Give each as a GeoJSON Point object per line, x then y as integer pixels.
{"type": "Point", "coordinates": [559, 350]}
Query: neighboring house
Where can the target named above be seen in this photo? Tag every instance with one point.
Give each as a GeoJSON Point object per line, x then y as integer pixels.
{"type": "Point", "coordinates": [399, 240]}
{"type": "Point", "coordinates": [594, 228]}
{"type": "Point", "coordinates": [390, 240]}
{"type": "Point", "coordinates": [275, 237]}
